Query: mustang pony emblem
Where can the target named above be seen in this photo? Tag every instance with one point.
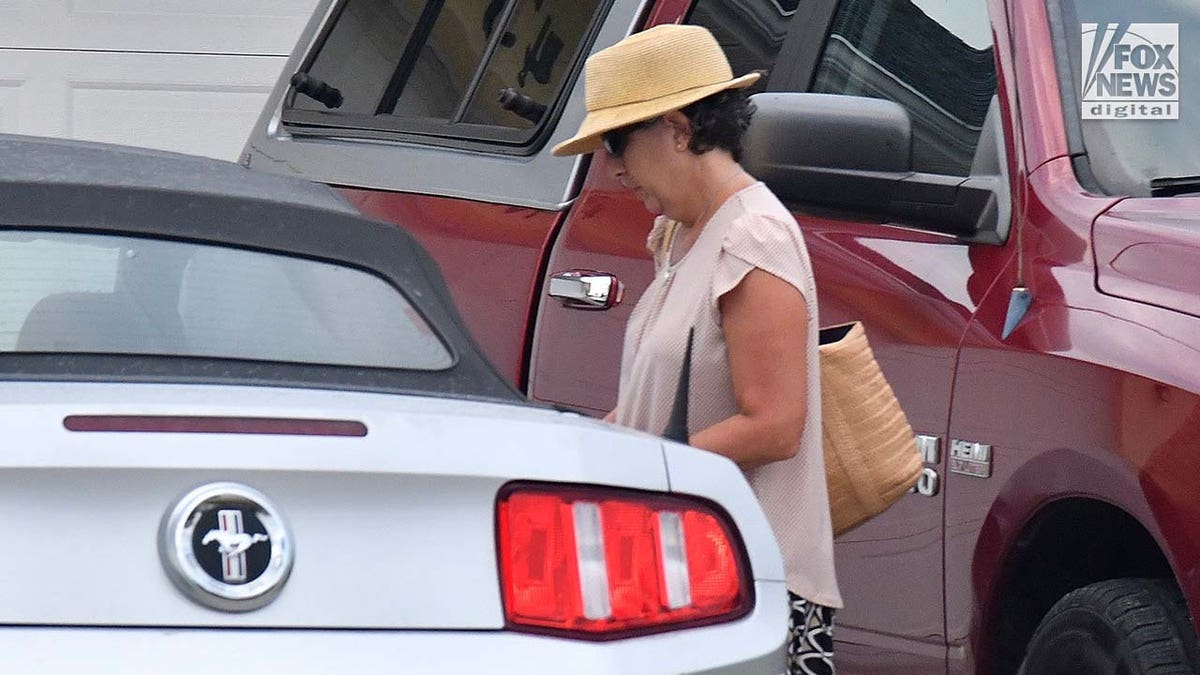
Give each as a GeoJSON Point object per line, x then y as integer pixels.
{"type": "Point", "coordinates": [233, 543]}
{"type": "Point", "coordinates": [226, 546]}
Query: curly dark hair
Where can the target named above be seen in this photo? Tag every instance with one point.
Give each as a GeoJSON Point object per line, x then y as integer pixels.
{"type": "Point", "coordinates": [719, 121]}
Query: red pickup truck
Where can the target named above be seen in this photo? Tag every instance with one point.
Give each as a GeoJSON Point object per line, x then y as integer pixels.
{"type": "Point", "coordinates": [1005, 192]}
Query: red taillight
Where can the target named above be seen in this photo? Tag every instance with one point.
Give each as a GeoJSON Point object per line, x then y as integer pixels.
{"type": "Point", "coordinates": [601, 564]}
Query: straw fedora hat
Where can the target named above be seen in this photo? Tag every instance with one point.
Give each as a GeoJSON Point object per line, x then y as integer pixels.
{"type": "Point", "coordinates": [649, 74]}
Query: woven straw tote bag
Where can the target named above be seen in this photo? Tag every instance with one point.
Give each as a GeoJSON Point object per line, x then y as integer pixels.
{"type": "Point", "coordinates": [871, 455]}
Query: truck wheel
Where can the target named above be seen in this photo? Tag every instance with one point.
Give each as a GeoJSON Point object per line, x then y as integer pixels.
{"type": "Point", "coordinates": [1118, 627]}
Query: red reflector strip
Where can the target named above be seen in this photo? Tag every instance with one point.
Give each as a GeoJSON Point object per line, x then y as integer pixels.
{"type": "Point", "coordinates": [173, 424]}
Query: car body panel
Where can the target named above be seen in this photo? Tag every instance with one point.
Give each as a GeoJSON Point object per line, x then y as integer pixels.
{"type": "Point", "coordinates": [606, 232]}
{"type": "Point", "coordinates": [186, 651]}
{"type": "Point", "coordinates": [914, 327]}
{"type": "Point", "coordinates": [410, 505]}
{"type": "Point", "coordinates": [491, 255]}
{"type": "Point", "coordinates": [1149, 250]}
{"type": "Point", "coordinates": [1124, 436]}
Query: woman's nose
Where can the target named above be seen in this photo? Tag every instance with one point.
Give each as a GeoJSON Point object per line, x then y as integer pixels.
{"type": "Point", "coordinates": [616, 167]}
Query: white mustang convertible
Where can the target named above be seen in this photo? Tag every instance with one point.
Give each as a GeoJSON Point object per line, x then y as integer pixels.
{"type": "Point", "coordinates": [248, 433]}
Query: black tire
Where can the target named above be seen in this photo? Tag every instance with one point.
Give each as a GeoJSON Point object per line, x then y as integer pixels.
{"type": "Point", "coordinates": [1115, 627]}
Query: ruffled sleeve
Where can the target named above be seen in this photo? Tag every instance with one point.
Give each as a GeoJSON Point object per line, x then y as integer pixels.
{"type": "Point", "coordinates": [767, 243]}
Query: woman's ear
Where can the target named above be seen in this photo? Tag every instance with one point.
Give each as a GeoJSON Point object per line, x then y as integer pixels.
{"type": "Point", "coordinates": [681, 129]}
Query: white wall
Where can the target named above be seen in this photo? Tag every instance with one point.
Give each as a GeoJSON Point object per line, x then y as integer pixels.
{"type": "Point", "coordinates": [176, 75]}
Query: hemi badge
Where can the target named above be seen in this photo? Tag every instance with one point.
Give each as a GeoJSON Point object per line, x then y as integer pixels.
{"type": "Point", "coordinates": [971, 459]}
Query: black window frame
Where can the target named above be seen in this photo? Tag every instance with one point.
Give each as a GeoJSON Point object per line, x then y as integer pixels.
{"type": "Point", "coordinates": [803, 47]}
{"type": "Point", "coordinates": [782, 71]}
{"type": "Point", "coordinates": [450, 133]}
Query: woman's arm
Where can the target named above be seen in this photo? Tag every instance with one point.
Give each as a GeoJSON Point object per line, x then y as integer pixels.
{"type": "Point", "coordinates": [765, 321]}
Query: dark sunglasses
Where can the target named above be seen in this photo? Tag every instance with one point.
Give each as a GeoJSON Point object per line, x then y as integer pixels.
{"type": "Point", "coordinates": [617, 140]}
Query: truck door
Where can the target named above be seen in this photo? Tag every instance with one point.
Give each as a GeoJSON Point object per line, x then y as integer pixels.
{"type": "Point", "coordinates": [914, 290]}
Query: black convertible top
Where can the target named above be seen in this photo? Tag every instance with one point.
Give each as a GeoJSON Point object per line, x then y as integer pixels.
{"type": "Point", "coordinates": [78, 186]}
{"type": "Point", "coordinates": [28, 160]}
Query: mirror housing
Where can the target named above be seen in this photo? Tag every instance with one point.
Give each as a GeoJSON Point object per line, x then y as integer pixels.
{"type": "Point", "coordinates": [851, 156]}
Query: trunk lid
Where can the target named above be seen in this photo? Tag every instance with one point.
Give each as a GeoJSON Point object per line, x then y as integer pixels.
{"type": "Point", "coordinates": [394, 529]}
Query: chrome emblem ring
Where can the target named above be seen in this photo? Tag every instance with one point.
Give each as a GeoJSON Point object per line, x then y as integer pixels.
{"type": "Point", "coordinates": [226, 546]}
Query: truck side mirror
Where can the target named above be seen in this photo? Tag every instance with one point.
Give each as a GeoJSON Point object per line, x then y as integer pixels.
{"type": "Point", "coordinates": [852, 156]}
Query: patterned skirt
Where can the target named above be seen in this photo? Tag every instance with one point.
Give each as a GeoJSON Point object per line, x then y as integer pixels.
{"type": "Point", "coordinates": [810, 638]}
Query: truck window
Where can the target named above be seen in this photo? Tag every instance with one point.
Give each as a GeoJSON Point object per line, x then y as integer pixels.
{"type": "Point", "coordinates": [946, 86]}
{"type": "Point", "coordinates": [750, 31]}
{"type": "Point", "coordinates": [1127, 73]}
{"type": "Point", "coordinates": [477, 69]}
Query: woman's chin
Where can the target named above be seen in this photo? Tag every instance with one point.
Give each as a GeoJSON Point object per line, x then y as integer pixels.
{"type": "Point", "coordinates": [650, 203]}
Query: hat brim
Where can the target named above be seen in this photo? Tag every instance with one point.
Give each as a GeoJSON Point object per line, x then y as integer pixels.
{"type": "Point", "coordinates": [599, 122]}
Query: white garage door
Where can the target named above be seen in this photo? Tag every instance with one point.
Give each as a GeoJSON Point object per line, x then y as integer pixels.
{"type": "Point", "coordinates": [170, 74]}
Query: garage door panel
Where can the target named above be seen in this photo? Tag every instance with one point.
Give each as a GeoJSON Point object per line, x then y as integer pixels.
{"type": "Point", "coordinates": [10, 104]}
{"type": "Point", "coordinates": [203, 105]}
{"type": "Point", "coordinates": [193, 103]}
{"type": "Point", "coordinates": [29, 104]}
{"type": "Point", "coordinates": [266, 27]}
{"type": "Point", "coordinates": [195, 121]}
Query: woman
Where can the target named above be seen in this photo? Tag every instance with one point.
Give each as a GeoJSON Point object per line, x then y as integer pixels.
{"type": "Point", "coordinates": [732, 266]}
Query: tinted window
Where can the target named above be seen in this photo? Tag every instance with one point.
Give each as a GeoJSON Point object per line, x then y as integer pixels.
{"type": "Point", "coordinates": [750, 31]}
{"type": "Point", "coordinates": [361, 52]}
{"type": "Point", "coordinates": [120, 295]}
{"type": "Point", "coordinates": [1133, 82]}
{"type": "Point", "coordinates": [437, 67]}
{"type": "Point", "coordinates": [933, 57]}
{"type": "Point", "coordinates": [535, 54]}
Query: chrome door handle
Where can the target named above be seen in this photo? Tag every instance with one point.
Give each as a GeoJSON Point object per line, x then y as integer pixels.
{"type": "Point", "coordinates": [586, 289]}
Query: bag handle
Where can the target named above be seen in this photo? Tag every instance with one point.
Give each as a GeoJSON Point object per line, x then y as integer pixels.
{"type": "Point", "coordinates": [664, 244]}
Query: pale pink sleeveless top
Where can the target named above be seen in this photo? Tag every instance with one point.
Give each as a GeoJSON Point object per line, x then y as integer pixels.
{"type": "Point", "coordinates": [751, 229]}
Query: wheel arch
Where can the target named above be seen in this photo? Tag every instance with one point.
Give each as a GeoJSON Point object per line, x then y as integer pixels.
{"type": "Point", "coordinates": [1068, 544]}
{"type": "Point", "coordinates": [1063, 521]}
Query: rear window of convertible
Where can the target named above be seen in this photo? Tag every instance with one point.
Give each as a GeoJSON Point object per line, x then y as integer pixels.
{"type": "Point", "coordinates": [480, 70]}
{"type": "Point", "coordinates": [87, 293]}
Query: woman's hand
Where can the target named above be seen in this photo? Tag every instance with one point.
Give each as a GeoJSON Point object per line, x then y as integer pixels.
{"type": "Point", "coordinates": [765, 321]}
